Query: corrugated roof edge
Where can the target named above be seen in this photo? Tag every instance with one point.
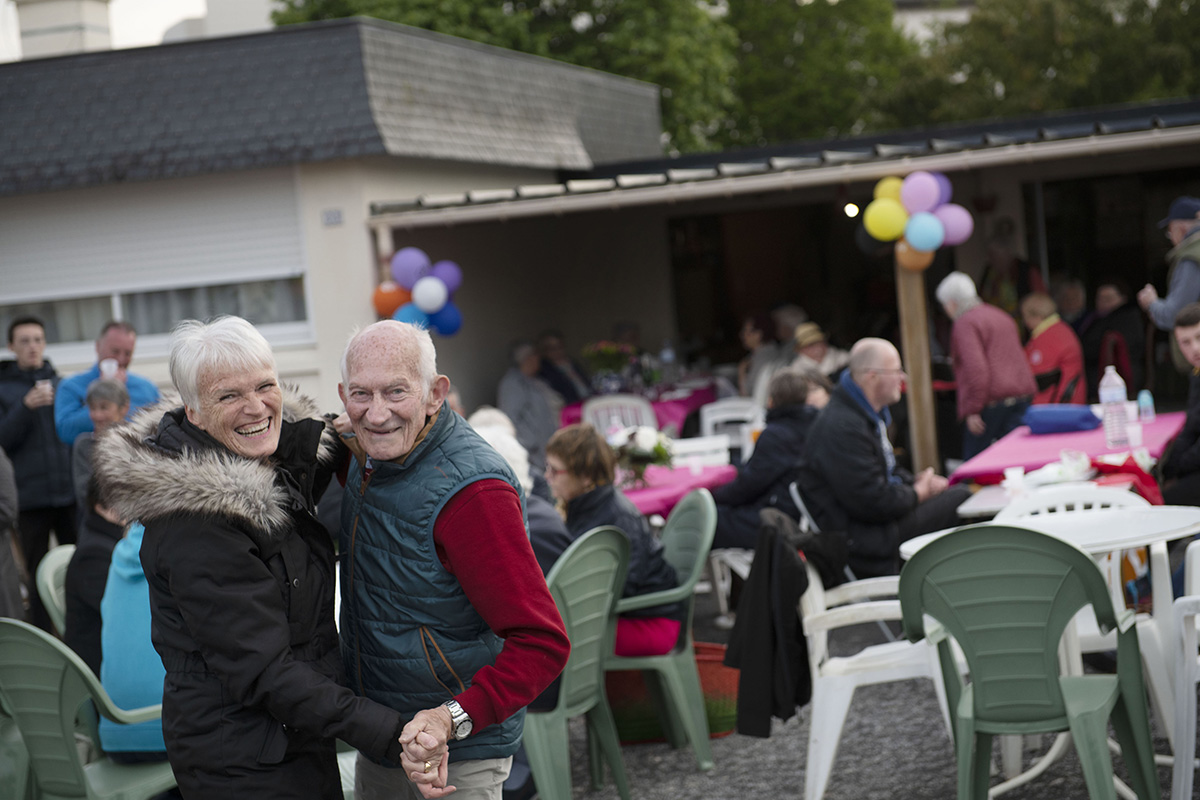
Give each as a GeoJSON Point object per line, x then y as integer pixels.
{"type": "Point", "coordinates": [723, 165]}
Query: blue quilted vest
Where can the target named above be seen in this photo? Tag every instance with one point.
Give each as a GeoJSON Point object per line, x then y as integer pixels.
{"type": "Point", "coordinates": [410, 638]}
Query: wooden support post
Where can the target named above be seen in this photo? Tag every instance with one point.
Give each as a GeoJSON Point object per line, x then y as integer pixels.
{"type": "Point", "coordinates": [914, 339]}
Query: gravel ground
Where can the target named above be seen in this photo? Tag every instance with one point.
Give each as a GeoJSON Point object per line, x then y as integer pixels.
{"type": "Point", "coordinates": [894, 744]}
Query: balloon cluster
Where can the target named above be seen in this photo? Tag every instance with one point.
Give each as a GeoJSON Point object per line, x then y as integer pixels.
{"type": "Point", "coordinates": [421, 292]}
{"type": "Point", "coordinates": [917, 211]}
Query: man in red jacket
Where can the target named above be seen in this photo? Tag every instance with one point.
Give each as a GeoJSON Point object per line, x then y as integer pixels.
{"type": "Point", "coordinates": [1054, 352]}
{"type": "Point", "coordinates": [993, 377]}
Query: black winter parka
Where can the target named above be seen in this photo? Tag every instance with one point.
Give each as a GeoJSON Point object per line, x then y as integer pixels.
{"type": "Point", "coordinates": [845, 485]}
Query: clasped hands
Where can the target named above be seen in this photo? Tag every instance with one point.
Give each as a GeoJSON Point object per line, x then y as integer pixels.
{"type": "Point", "coordinates": [425, 757]}
{"type": "Point", "coordinates": [928, 484]}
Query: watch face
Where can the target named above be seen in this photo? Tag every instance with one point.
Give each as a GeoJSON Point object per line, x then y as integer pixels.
{"type": "Point", "coordinates": [464, 729]}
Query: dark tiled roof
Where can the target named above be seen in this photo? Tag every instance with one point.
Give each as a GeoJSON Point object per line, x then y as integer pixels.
{"type": "Point", "coordinates": [334, 90]}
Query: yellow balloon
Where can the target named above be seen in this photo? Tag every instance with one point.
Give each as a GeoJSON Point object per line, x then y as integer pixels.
{"type": "Point", "coordinates": [912, 259]}
{"type": "Point", "coordinates": [885, 219]}
{"type": "Point", "coordinates": [888, 188]}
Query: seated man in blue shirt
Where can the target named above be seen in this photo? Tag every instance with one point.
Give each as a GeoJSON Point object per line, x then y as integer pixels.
{"type": "Point", "coordinates": [116, 342]}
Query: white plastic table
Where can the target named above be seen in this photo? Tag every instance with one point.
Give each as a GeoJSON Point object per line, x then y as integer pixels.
{"type": "Point", "coordinates": [1103, 531]}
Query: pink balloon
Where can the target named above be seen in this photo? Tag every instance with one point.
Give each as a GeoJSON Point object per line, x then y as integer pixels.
{"type": "Point", "coordinates": [919, 192]}
{"type": "Point", "coordinates": [957, 222]}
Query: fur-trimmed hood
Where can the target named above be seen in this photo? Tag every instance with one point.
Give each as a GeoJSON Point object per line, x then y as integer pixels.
{"type": "Point", "coordinates": [144, 474]}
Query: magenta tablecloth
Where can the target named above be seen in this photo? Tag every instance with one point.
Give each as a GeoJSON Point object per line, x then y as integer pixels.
{"type": "Point", "coordinates": [666, 486]}
{"type": "Point", "coordinates": [671, 413]}
{"type": "Point", "coordinates": [1022, 449]}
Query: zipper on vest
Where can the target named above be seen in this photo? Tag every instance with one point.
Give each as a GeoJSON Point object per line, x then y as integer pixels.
{"type": "Point", "coordinates": [368, 471]}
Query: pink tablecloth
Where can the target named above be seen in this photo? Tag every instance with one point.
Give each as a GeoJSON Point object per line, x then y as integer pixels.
{"type": "Point", "coordinates": [1022, 449]}
{"type": "Point", "coordinates": [671, 413]}
{"type": "Point", "coordinates": [666, 486]}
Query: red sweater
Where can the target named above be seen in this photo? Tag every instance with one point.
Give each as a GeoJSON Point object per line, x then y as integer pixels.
{"type": "Point", "coordinates": [480, 539]}
{"type": "Point", "coordinates": [989, 364]}
{"type": "Point", "coordinates": [1056, 346]}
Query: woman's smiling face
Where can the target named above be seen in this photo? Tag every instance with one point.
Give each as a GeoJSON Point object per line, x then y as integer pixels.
{"type": "Point", "coordinates": [242, 411]}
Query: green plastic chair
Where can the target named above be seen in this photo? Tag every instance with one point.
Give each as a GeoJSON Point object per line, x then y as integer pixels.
{"type": "Point", "coordinates": [585, 581]}
{"type": "Point", "coordinates": [46, 687]}
{"type": "Point", "coordinates": [52, 584]}
{"type": "Point", "coordinates": [14, 759]}
{"type": "Point", "coordinates": [672, 680]}
{"type": "Point", "coordinates": [1006, 594]}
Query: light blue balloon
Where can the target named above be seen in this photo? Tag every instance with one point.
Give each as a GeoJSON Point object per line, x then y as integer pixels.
{"type": "Point", "coordinates": [924, 231]}
{"type": "Point", "coordinates": [411, 314]}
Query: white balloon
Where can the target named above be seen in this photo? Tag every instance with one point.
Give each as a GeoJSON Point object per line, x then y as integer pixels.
{"type": "Point", "coordinates": [429, 294]}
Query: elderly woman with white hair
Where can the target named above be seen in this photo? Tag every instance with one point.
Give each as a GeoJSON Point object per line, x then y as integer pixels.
{"type": "Point", "coordinates": [994, 382]}
{"type": "Point", "coordinates": [241, 573]}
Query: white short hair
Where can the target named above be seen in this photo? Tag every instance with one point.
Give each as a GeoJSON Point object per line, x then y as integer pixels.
{"type": "Point", "coordinates": [504, 443]}
{"type": "Point", "coordinates": [957, 288]}
{"type": "Point", "coordinates": [490, 416]}
{"type": "Point", "coordinates": [221, 345]}
{"type": "Point", "coordinates": [413, 335]}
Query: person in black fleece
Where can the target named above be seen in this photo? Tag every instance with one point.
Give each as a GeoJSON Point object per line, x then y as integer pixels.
{"type": "Point", "coordinates": [794, 397]}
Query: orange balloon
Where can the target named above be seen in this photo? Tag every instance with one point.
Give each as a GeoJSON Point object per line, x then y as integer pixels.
{"type": "Point", "coordinates": [912, 259]}
{"type": "Point", "coordinates": [388, 297]}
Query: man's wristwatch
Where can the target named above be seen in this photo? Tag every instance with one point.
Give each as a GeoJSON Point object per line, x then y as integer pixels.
{"type": "Point", "coordinates": [459, 719]}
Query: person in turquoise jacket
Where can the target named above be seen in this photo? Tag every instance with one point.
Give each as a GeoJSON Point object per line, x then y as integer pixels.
{"type": "Point", "coordinates": [130, 670]}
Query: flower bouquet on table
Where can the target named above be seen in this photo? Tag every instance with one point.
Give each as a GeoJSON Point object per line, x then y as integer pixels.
{"type": "Point", "coordinates": [606, 361]}
{"type": "Point", "coordinates": [637, 448]}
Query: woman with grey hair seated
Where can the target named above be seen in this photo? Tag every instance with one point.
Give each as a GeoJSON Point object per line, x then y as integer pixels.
{"type": "Point", "coordinates": [240, 573]}
{"type": "Point", "coordinates": [532, 406]}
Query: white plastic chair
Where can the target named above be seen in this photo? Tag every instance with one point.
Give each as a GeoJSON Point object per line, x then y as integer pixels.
{"type": "Point", "coordinates": [1083, 498]}
{"type": "Point", "coordinates": [608, 411]}
{"type": "Point", "coordinates": [700, 451]}
{"type": "Point", "coordinates": [736, 416]}
{"type": "Point", "coordinates": [1187, 675]}
{"type": "Point", "coordinates": [834, 679]}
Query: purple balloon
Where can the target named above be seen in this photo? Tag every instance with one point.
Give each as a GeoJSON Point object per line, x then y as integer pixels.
{"type": "Point", "coordinates": [449, 273]}
{"type": "Point", "coordinates": [957, 222]}
{"type": "Point", "coordinates": [409, 265]}
{"type": "Point", "coordinates": [447, 321]}
{"type": "Point", "coordinates": [945, 190]}
{"type": "Point", "coordinates": [919, 192]}
{"type": "Point", "coordinates": [411, 314]}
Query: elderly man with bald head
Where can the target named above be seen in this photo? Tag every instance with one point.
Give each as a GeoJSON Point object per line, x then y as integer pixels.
{"type": "Point", "coordinates": [850, 480]}
{"type": "Point", "coordinates": [445, 614]}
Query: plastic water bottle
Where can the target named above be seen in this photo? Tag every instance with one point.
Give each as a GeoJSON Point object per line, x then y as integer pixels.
{"type": "Point", "coordinates": [666, 357]}
{"type": "Point", "coordinates": [1112, 399]}
{"type": "Point", "coordinates": [1145, 406]}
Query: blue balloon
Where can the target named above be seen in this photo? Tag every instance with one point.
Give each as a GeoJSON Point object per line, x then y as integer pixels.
{"type": "Point", "coordinates": [411, 314]}
{"type": "Point", "coordinates": [924, 231]}
{"type": "Point", "coordinates": [446, 320]}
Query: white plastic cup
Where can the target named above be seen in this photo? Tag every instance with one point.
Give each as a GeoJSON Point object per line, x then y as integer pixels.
{"type": "Point", "coordinates": [1014, 479]}
{"type": "Point", "coordinates": [108, 368]}
{"type": "Point", "coordinates": [1133, 431]}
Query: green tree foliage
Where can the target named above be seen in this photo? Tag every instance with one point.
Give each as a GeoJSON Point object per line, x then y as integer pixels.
{"type": "Point", "coordinates": [681, 45]}
{"type": "Point", "coordinates": [769, 71]}
{"type": "Point", "coordinates": [815, 68]}
{"type": "Point", "coordinates": [1019, 57]}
